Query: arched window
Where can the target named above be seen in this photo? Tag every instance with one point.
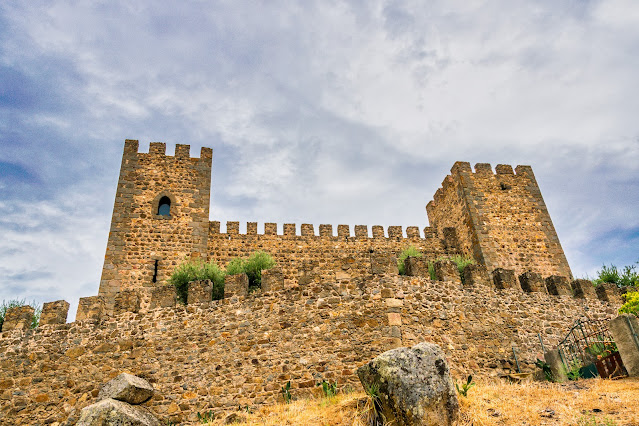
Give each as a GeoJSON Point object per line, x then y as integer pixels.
{"type": "Point", "coordinates": [164, 206]}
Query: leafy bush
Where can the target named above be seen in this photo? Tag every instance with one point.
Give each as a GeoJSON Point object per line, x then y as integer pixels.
{"type": "Point", "coordinates": [610, 274]}
{"type": "Point", "coordinates": [410, 251]}
{"type": "Point", "coordinates": [13, 303]}
{"type": "Point", "coordinates": [460, 260]}
{"type": "Point", "coordinates": [632, 303]}
{"type": "Point", "coordinates": [252, 267]}
{"type": "Point", "coordinates": [195, 270]}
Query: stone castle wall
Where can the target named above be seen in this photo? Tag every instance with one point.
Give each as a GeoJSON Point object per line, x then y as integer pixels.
{"type": "Point", "coordinates": [241, 350]}
{"type": "Point", "coordinates": [500, 217]}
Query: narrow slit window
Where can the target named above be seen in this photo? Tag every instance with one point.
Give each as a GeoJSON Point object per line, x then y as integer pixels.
{"type": "Point", "coordinates": [155, 271]}
{"type": "Point", "coordinates": [164, 207]}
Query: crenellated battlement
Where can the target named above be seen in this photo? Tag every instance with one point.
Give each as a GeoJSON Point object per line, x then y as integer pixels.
{"type": "Point", "coordinates": [157, 150]}
{"type": "Point", "coordinates": [324, 231]}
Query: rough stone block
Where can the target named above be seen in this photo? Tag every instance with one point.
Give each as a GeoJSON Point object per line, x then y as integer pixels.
{"type": "Point", "coordinates": [272, 279]}
{"type": "Point", "coordinates": [625, 332]}
{"type": "Point", "coordinates": [232, 228]}
{"type": "Point", "coordinates": [558, 285]}
{"type": "Point", "coordinates": [199, 292]}
{"type": "Point", "coordinates": [270, 228]}
{"type": "Point", "coordinates": [54, 312]}
{"type": "Point", "coordinates": [18, 318]}
{"type": "Point", "coordinates": [532, 282]}
{"type": "Point", "coordinates": [164, 296]}
{"type": "Point", "coordinates": [446, 270]}
{"type": "Point", "coordinates": [414, 385]}
{"type": "Point", "coordinates": [395, 232]}
{"type": "Point", "coordinates": [476, 276]}
{"type": "Point", "coordinates": [412, 232]}
{"type": "Point", "coordinates": [382, 263]}
{"type": "Point", "coordinates": [378, 231]}
{"type": "Point", "coordinates": [584, 289]}
{"type": "Point", "coordinates": [236, 285]}
{"type": "Point", "coordinates": [326, 230]}
{"type": "Point", "coordinates": [127, 388]}
{"type": "Point", "coordinates": [307, 230]}
{"type": "Point", "coordinates": [126, 301]}
{"type": "Point", "coordinates": [289, 229]}
{"type": "Point", "coordinates": [609, 292]}
{"type": "Point", "coordinates": [113, 412]}
{"type": "Point", "coordinates": [361, 231]}
{"type": "Point", "coordinates": [505, 279]}
{"type": "Point", "coordinates": [416, 267]}
{"type": "Point", "coordinates": [251, 228]}
{"type": "Point", "coordinates": [553, 358]}
{"type": "Point", "coordinates": [451, 241]}
{"type": "Point", "coordinates": [90, 308]}
{"type": "Point", "coordinates": [343, 231]}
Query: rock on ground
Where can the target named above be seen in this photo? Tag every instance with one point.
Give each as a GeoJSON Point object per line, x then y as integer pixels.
{"type": "Point", "coordinates": [414, 386]}
{"type": "Point", "coordinates": [112, 412]}
{"type": "Point", "coordinates": [127, 388]}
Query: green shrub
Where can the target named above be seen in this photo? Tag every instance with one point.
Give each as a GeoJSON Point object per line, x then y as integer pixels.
{"type": "Point", "coordinates": [632, 303]}
{"type": "Point", "coordinates": [624, 278]}
{"type": "Point", "coordinates": [252, 267]}
{"type": "Point", "coordinates": [410, 251]}
{"type": "Point", "coordinates": [13, 303]}
{"type": "Point", "coordinates": [195, 270]}
{"type": "Point", "coordinates": [460, 260]}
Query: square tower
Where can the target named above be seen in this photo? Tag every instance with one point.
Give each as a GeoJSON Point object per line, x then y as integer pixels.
{"type": "Point", "coordinates": [500, 218]}
{"type": "Point", "coordinates": [160, 216]}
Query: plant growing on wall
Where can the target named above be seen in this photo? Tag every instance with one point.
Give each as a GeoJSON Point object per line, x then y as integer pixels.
{"type": "Point", "coordinates": [410, 251]}
{"type": "Point", "coordinates": [632, 303]}
{"type": "Point", "coordinates": [628, 276]}
{"type": "Point", "coordinates": [194, 270]}
{"type": "Point", "coordinates": [252, 267]}
{"type": "Point", "coordinates": [14, 303]}
{"type": "Point", "coordinates": [460, 260]}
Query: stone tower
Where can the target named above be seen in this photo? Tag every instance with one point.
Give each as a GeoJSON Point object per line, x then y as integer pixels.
{"type": "Point", "coordinates": [500, 218]}
{"type": "Point", "coordinates": [160, 216]}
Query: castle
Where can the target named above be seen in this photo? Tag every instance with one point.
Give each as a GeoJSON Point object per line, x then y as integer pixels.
{"type": "Point", "coordinates": [161, 217]}
{"type": "Point", "coordinates": [332, 303]}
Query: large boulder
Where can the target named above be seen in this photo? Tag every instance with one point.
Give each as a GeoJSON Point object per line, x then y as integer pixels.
{"type": "Point", "coordinates": [128, 388]}
{"type": "Point", "coordinates": [414, 386]}
{"type": "Point", "coordinates": [112, 412]}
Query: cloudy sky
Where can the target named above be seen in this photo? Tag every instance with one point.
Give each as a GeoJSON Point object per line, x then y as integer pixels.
{"type": "Point", "coordinates": [324, 112]}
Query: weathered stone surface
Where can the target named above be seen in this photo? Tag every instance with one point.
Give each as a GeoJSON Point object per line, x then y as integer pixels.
{"type": "Point", "coordinates": [532, 282]}
{"type": "Point", "coordinates": [625, 332]}
{"type": "Point", "coordinates": [583, 289]}
{"type": "Point", "coordinates": [445, 270]}
{"type": "Point", "coordinates": [236, 285]}
{"type": "Point", "coordinates": [414, 385]}
{"type": "Point", "coordinates": [609, 292]}
{"type": "Point", "coordinates": [111, 412]}
{"type": "Point", "coordinates": [272, 279]}
{"type": "Point", "coordinates": [505, 278]}
{"type": "Point", "coordinates": [128, 388]}
{"type": "Point", "coordinates": [163, 297]}
{"type": "Point", "coordinates": [416, 267]}
{"type": "Point", "coordinates": [126, 301]}
{"type": "Point", "coordinates": [475, 276]}
{"type": "Point", "coordinates": [90, 308]}
{"type": "Point", "coordinates": [383, 263]}
{"type": "Point", "coordinates": [558, 285]}
{"type": "Point", "coordinates": [553, 358]}
{"type": "Point", "coordinates": [200, 292]}
{"type": "Point", "coordinates": [54, 312]}
{"type": "Point", "coordinates": [18, 318]}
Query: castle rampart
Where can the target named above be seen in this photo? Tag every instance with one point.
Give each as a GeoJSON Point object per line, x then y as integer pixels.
{"type": "Point", "coordinates": [241, 350]}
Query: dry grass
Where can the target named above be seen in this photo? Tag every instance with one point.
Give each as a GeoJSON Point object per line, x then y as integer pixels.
{"type": "Point", "coordinates": [590, 402]}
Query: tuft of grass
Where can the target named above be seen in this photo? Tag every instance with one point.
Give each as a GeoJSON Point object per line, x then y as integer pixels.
{"type": "Point", "coordinates": [194, 270]}
{"type": "Point", "coordinates": [410, 251]}
{"type": "Point", "coordinates": [13, 303]}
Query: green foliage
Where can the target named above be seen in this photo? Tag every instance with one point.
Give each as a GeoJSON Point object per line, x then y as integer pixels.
{"type": "Point", "coordinates": [546, 369]}
{"type": "Point", "coordinates": [431, 271]}
{"type": "Point", "coordinates": [460, 260]}
{"type": "Point", "coordinates": [286, 392]}
{"type": "Point", "coordinates": [194, 270]}
{"type": "Point", "coordinates": [574, 372]}
{"type": "Point", "coordinates": [632, 303]}
{"type": "Point", "coordinates": [13, 303]}
{"type": "Point", "coordinates": [410, 251]}
{"type": "Point", "coordinates": [328, 389]}
{"type": "Point", "coordinates": [206, 418]}
{"type": "Point", "coordinates": [252, 267]}
{"type": "Point", "coordinates": [594, 421]}
{"type": "Point", "coordinates": [465, 387]}
{"type": "Point", "coordinates": [628, 276]}
{"type": "Point", "coordinates": [601, 349]}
